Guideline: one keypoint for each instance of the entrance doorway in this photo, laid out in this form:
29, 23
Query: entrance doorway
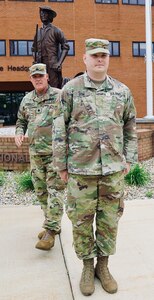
9, 104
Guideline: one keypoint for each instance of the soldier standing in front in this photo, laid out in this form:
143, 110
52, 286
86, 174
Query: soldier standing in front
36, 114
95, 142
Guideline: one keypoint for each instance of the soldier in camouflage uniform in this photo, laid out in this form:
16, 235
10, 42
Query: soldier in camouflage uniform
36, 114
94, 143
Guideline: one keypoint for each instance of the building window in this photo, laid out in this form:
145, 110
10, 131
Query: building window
139, 48
107, 1
20, 48
114, 48
29, 0
71, 52
134, 2
2, 48
61, 0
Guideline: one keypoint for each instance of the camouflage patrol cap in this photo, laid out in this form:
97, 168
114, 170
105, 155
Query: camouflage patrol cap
94, 46
49, 10
38, 69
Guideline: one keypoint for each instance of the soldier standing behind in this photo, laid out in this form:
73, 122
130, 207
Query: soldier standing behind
94, 143
36, 114
50, 46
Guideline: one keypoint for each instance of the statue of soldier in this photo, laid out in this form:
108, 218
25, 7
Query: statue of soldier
50, 46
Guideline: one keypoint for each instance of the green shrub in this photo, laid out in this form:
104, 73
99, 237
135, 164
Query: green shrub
2, 177
149, 194
137, 176
24, 181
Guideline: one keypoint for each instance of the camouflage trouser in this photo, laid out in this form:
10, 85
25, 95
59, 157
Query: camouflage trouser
49, 190
95, 201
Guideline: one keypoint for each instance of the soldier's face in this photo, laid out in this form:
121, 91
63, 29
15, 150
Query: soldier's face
96, 63
40, 83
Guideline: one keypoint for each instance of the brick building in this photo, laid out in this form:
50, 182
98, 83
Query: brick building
122, 22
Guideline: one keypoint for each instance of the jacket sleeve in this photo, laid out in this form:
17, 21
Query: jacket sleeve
62, 40
21, 124
129, 130
60, 125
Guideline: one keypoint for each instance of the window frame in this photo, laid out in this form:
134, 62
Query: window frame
29, 0
106, 2
112, 45
4, 47
73, 47
11, 45
143, 42
61, 1
28, 41
133, 3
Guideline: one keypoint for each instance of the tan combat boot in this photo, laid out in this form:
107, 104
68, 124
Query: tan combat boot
47, 240
102, 273
87, 278
40, 235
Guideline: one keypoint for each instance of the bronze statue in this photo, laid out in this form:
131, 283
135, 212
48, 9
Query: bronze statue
50, 46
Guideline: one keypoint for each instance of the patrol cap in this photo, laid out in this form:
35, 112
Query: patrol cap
94, 46
38, 69
49, 10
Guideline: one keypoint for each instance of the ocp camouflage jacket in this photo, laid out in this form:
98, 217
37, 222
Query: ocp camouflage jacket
36, 114
94, 128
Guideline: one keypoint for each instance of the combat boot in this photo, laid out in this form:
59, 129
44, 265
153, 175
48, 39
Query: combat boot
40, 235
102, 273
47, 240
87, 278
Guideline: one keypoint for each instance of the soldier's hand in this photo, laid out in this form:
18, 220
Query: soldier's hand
56, 67
19, 140
126, 171
59, 68
64, 175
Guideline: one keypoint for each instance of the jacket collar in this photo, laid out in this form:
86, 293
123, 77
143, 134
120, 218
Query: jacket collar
40, 99
106, 85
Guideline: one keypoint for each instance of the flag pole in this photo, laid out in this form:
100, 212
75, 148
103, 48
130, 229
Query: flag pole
149, 71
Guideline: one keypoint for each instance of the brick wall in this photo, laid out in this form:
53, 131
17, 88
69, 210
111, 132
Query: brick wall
145, 130
11, 157
145, 143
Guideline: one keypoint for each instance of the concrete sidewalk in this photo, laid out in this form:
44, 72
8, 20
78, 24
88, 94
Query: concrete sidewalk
30, 274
